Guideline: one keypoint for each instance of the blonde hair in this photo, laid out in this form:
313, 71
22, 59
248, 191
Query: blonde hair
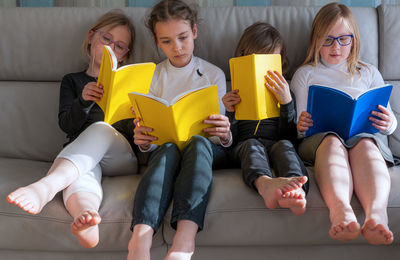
112, 19
327, 16
262, 38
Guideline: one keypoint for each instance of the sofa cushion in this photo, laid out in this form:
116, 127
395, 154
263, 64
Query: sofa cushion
29, 126
55, 50
50, 230
389, 42
236, 212
31, 58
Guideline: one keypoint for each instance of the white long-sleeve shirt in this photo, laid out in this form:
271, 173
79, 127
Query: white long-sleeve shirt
336, 76
169, 81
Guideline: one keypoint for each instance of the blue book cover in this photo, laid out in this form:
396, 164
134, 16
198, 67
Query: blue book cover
334, 110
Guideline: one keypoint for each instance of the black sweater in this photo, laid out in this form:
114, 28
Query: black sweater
76, 114
277, 128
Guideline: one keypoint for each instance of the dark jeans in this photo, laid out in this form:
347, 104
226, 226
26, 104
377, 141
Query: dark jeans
258, 156
188, 185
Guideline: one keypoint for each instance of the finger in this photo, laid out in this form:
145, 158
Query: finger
384, 110
379, 127
217, 121
144, 137
94, 93
219, 117
142, 129
279, 75
274, 77
378, 122
383, 116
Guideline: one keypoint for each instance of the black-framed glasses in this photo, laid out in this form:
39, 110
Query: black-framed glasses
343, 40
107, 39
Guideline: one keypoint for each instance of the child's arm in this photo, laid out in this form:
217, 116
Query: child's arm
74, 109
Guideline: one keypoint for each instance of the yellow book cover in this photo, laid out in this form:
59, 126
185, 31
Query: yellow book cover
179, 120
118, 82
248, 76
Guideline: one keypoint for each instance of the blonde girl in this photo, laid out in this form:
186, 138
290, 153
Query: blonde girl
358, 164
78, 168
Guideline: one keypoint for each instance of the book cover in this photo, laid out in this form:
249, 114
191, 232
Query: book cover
118, 82
248, 75
334, 110
179, 120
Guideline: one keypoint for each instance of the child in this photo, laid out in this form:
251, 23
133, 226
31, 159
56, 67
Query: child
77, 170
358, 163
185, 178
258, 151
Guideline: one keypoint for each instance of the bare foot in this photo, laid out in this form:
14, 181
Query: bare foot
376, 234
85, 228
140, 243
272, 189
174, 254
344, 223
31, 198
138, 253
294, 200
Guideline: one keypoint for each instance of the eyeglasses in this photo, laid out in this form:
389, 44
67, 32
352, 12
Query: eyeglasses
343, 40
107, 39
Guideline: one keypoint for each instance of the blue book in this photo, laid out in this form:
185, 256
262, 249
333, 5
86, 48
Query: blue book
334, 110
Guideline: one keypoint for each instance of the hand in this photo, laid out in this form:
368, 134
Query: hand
386, 119
231, 99
140, 137
91, 92
277, 84
222, 129
305, 122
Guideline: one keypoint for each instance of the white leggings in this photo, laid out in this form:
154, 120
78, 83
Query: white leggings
100, 149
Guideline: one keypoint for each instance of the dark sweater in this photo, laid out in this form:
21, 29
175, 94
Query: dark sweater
76, 114
277, 128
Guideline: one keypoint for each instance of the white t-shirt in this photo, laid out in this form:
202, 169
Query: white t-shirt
335, 76
169, 81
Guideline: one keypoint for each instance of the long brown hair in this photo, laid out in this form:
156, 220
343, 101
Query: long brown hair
327, 16
262, 38
171, 9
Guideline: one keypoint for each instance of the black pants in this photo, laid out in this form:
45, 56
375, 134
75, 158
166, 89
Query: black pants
258, 156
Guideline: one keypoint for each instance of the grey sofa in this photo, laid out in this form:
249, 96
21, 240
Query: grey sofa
39, 45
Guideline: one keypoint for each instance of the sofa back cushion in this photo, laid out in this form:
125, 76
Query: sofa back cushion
389, 42
40, 45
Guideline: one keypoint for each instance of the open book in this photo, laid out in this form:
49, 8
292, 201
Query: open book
179, 120
334, 110
118, 82
248, 75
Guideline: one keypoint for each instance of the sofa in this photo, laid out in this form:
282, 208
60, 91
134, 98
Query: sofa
39, 45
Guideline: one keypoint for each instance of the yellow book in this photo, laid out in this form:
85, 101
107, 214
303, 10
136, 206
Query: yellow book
118, 82
179, 120
248, 75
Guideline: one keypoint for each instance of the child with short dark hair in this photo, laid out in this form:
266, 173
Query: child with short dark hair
270, 145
